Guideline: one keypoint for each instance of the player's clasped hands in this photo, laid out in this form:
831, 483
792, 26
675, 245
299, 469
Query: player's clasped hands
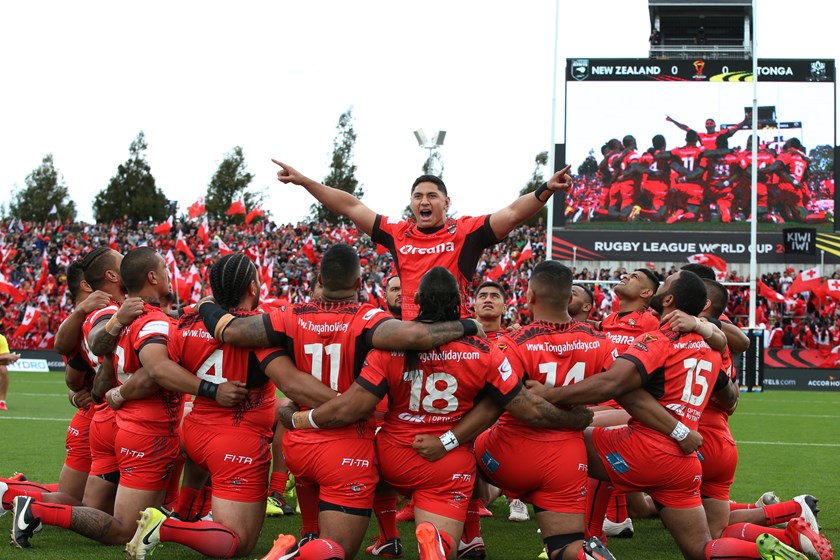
231, 393
428, 447
691, 443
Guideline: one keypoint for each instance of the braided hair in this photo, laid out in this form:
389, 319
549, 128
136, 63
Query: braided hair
230, 277
438, 296
95, 265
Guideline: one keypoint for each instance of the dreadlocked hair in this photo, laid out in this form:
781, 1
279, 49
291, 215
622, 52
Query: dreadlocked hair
439, 299
230, 277
438, 296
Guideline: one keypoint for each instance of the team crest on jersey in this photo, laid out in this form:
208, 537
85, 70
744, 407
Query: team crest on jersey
452, 227
632, 323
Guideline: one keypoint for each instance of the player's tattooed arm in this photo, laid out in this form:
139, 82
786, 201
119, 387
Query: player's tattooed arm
105, 379
480, 417
247, 332
300, 387
538, 412
103, 336
623, 376
643, 407
414, 335
351, 406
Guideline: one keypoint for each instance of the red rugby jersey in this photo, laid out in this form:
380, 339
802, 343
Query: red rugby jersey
330, 341
556, 355
158, 414
457, 245
623, 328
445, 384
681, 371
192, 346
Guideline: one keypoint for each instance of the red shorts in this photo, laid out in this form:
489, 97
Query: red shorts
238, 459
102, 455
77, 442
636, 464
146, 462
345, 470
443, 487
719, 459
551, 475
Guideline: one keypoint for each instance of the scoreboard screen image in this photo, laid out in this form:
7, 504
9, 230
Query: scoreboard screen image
668, 142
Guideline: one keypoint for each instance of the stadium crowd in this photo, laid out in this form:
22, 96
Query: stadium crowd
289, 253
336, 358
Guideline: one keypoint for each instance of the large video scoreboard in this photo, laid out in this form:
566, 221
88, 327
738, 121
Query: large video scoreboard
627, 120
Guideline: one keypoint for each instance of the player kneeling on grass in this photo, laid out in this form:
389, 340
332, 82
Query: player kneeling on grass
681, 366
428, 393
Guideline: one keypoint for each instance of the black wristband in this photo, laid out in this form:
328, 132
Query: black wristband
211, 313
470, 327
541, 189
714, 321
207, 389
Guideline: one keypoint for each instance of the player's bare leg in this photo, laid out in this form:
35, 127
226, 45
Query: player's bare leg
348, 530
556, 529
72, 482
452, 527
689, 529
100, 494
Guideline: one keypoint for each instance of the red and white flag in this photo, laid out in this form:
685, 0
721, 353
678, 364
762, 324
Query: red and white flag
500, 268
769, 293
832, 288
526, 255
309, 250
236, 207
196, 209
713, 261
16, 295
806, 281
223, 248
164, 228
29, 320
253, 214
204, 232
181, 245
45, 270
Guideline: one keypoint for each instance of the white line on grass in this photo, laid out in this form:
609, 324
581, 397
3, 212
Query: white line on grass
34, 418
800, 443
788, 415
63, 395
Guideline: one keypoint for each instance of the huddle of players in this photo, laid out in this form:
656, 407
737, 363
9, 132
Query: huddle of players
687, 182
430, 395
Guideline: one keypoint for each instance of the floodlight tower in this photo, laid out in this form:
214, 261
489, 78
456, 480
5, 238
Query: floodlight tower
435, 143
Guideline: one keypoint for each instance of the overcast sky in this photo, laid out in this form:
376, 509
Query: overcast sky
81, 79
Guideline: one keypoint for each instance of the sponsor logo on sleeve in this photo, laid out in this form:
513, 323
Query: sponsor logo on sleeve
505, 370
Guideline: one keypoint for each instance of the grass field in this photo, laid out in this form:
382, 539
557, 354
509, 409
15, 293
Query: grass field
788, 442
